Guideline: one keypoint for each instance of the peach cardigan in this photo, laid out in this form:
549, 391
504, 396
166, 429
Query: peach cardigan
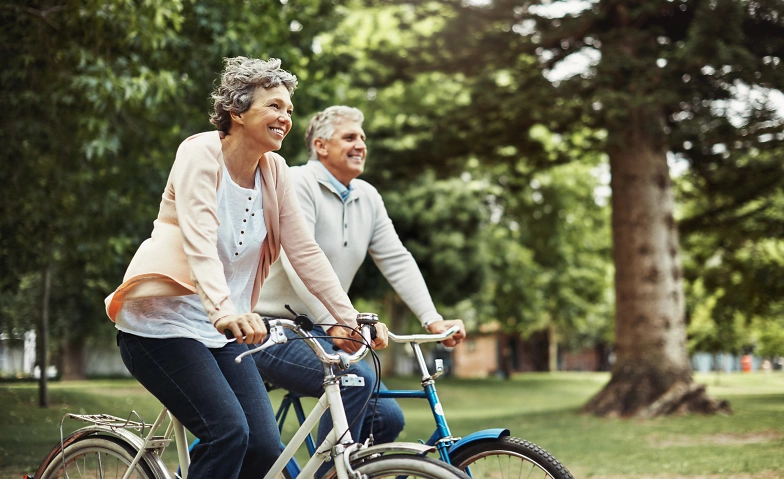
181, 256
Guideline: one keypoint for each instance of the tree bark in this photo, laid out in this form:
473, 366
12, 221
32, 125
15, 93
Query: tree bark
505, 355
397, 314
42, 345
652, 373
552, 348
602, 351
73, 360
539, 348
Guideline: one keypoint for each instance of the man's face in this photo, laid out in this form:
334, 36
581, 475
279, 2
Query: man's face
344, 153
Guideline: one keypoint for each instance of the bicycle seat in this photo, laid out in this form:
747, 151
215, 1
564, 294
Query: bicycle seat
269, 386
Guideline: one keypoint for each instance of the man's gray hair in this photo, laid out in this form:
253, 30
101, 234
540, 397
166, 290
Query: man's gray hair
323, 123
242, 77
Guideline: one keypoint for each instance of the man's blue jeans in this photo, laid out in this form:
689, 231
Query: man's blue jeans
293, 366
222, 403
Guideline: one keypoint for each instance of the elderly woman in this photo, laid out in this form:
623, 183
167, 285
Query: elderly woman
226, 212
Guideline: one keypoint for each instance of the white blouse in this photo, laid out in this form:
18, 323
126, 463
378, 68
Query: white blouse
240, 235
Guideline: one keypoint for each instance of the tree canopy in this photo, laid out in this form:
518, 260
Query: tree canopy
493, 158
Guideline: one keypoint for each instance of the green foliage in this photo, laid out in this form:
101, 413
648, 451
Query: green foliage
97, 97
442, 222
674, 72
434, 121
554, 221
78, 82
708, 335
733, 224
769, 338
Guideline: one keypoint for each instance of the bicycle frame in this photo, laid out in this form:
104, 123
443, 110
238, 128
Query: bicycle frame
338, 445
441, 438
338, 441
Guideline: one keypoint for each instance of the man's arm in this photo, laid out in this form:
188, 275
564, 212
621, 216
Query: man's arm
400, 269
306, 189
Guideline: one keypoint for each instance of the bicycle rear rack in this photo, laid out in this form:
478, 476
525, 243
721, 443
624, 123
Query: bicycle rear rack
151, 442
113, 422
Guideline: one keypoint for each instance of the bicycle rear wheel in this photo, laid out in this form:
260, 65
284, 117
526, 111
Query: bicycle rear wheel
404, 466
508, 457
95, 456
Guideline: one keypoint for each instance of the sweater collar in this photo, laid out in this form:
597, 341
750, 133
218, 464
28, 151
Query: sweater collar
333, 184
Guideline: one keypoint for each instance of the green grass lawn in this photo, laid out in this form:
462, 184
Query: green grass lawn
542, 408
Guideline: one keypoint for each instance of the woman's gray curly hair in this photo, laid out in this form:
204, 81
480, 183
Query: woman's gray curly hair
240, 80
322, 125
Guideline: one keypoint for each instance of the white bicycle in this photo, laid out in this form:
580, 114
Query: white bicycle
112, 447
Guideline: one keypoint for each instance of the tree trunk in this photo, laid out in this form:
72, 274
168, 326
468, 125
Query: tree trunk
652, 374
538, 347
42, 345
73, 359
397, 315
602, 351
552, 348
505, 355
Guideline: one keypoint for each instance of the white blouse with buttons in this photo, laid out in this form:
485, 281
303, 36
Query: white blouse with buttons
240, 234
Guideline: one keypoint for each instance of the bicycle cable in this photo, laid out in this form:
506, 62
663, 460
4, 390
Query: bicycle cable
376, 384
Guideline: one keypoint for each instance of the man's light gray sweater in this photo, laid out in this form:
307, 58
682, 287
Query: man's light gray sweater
346, 232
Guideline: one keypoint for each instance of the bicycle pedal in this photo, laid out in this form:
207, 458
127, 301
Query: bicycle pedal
352, 380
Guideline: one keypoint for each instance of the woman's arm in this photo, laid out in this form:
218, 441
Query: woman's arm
309, 262
194, 178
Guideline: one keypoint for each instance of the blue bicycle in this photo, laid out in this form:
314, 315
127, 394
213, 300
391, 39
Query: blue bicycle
490, 453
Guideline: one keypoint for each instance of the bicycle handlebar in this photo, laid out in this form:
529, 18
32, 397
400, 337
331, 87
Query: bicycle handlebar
277, 336
423, 338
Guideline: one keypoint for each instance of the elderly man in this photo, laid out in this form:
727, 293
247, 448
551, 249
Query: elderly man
348, 220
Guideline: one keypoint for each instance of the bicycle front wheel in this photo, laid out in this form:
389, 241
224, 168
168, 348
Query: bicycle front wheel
508, 457
95, 456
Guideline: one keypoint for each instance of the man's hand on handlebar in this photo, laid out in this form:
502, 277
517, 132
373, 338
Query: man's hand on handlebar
439, 327
247, 327
354, 342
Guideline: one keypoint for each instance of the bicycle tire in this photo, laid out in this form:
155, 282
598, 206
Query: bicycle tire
508, 457
95, 456
404, 466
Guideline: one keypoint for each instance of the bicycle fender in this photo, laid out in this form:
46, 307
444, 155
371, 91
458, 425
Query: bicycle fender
478, 436
395, 447
157, 466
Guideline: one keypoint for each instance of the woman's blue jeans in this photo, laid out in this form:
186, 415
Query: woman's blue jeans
293, 366
221, 402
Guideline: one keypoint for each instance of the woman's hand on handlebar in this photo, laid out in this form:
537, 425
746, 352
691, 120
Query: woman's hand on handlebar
354, 341
439, 327
247, 327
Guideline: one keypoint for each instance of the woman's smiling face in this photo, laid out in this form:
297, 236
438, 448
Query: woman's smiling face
268, 120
